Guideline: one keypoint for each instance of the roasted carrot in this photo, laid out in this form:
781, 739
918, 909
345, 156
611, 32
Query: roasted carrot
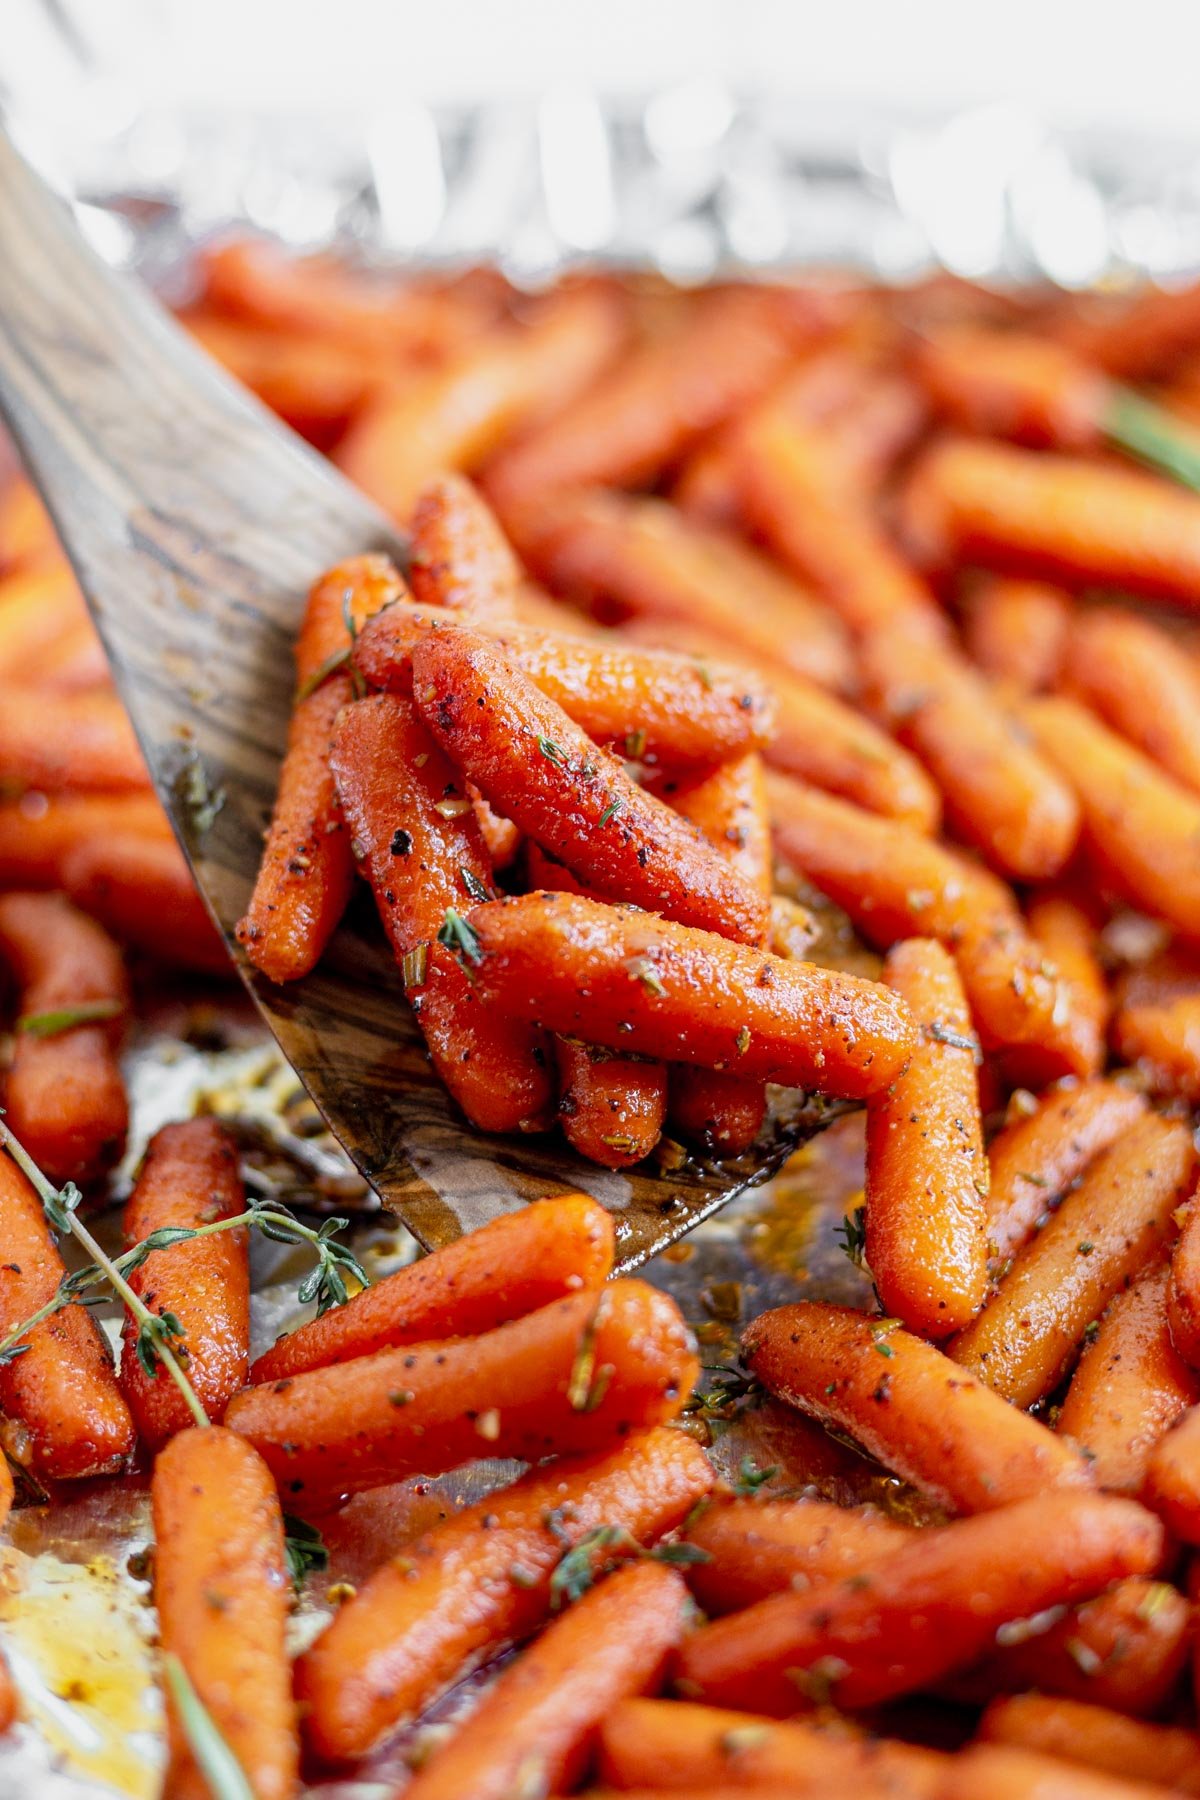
1038, 1155
758, 1547
935, 1607
75, 664
1017, 632
307, 870
1011, 384
37, 604
688, 996
927, 1175
1067, 926
138, 885
1172, 1485
1183, 1289
1163, 1755
539, 769
1142, 683
513, 1265
909, 1405
460, 558
222, 1590
92, 745
65, 1096
26, 534
1114, 1224
68, 1417
420, 846
310, 380
1156, 1022
40, 831
450, 1599
539, 1722
565, 1378
1136, 336
189, 1178
997, 1772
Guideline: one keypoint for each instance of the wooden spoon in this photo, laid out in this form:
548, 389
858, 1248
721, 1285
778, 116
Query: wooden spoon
196, 523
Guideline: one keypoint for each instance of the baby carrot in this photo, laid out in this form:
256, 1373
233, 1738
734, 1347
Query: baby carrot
26, 533
76, 664
998, 1772
635, 982
1105, 1232
92, 745
1011, 384
927, 1175
934, 1607
307, 870
421, 849
539, 1721
65, 1093
1138, 336
513, 1265
189, 1178
1172, 1485
39, 832
222, 1590
312, 381
1040, 1153
1142, 683
460, 558
539, 769
61, 1392
565, 1378
449, 1600
758, 1547
1096, 1737
1156, 1023
138, 885
1068, 927
37, 604
908, 1405
1017, 631
1183, 1289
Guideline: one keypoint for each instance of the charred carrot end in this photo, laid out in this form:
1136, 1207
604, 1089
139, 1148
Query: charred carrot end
460, 557
927, 1175
189, 1178
564, 1378
138, 885
1097, 1738
611, 1109
756, 1547
512, 1265
222, 1590
1017, 632
668, 992
480, 1580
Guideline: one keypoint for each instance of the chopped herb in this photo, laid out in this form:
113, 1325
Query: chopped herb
222, 1772
851, 1234
647, 974
741, 1738
521, 1577
635, 743
1091, 1331
1158, 1595
1033, 1180
1086, 1249
742, 1041
750, 1477
65, 1018
414, 965
474, 886
942, 1034
550, 750
322, 672
582, 1563
201, 801
304, 1548
818, 1681
460, 937
1084, 1657
583, 1365
704, 674
610, 812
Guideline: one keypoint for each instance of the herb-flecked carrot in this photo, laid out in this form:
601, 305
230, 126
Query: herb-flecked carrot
61, 1391
540, 1719
513, 1265
935, 1606
540, 769
222, 1590
1017, 631
418, 841
91, 746
758, 1547
1010, 384
189, 1178
307, 870
460, 558
1156, 1022
451, 1599
935, 1425
1097, 1738
1142, 683
65, 1094
1110, 1228
138, 885
1183, 1290
567, 1378
666, 991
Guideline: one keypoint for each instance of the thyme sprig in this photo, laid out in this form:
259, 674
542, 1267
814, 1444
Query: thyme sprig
600, 1550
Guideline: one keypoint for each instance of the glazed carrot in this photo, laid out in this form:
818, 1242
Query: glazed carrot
935, 1426
61, 1392
1105, 1232
689, 996
1039, 1154
37, 604
460, 558
934, 1607
1068, 927
505, 381
655, 706
222, 1590
758, 1547
40, 831
999, 794
138, 884
540, 1720
1057, 517
74, 664
1172, 1485
684, 1748
1130, 1387
1142, 683
422, 851
1137, 336
190, 1177
450, 1599
1183, 1289
315, 383
513, 1265
92, 745
65, 1096
566, 1378
539, 769
1013, 385
996, 1772
1016, 631
307, 869
1156, 1022
1165, 1755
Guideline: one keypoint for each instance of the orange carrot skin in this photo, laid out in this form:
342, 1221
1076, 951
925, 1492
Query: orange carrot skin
1172, 1485
1156, 1025
37, 604
1067, 929
92, 745
190, 1177
138, 885
1183, 1289
76, 664
222, 1590
722, 1005
611, 1109
1142, 683
513, 1265
39, 832
521, 1390
61, 1391
422, 850
545, 1710
1016, 632
1139, 336
927, 1175
460, 558
65, 1093
539, 769
1035, 1159
1024, 1340
1013, 385
1095, 1736
998, 1772
450, 1599
758, 1547
940, 1429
